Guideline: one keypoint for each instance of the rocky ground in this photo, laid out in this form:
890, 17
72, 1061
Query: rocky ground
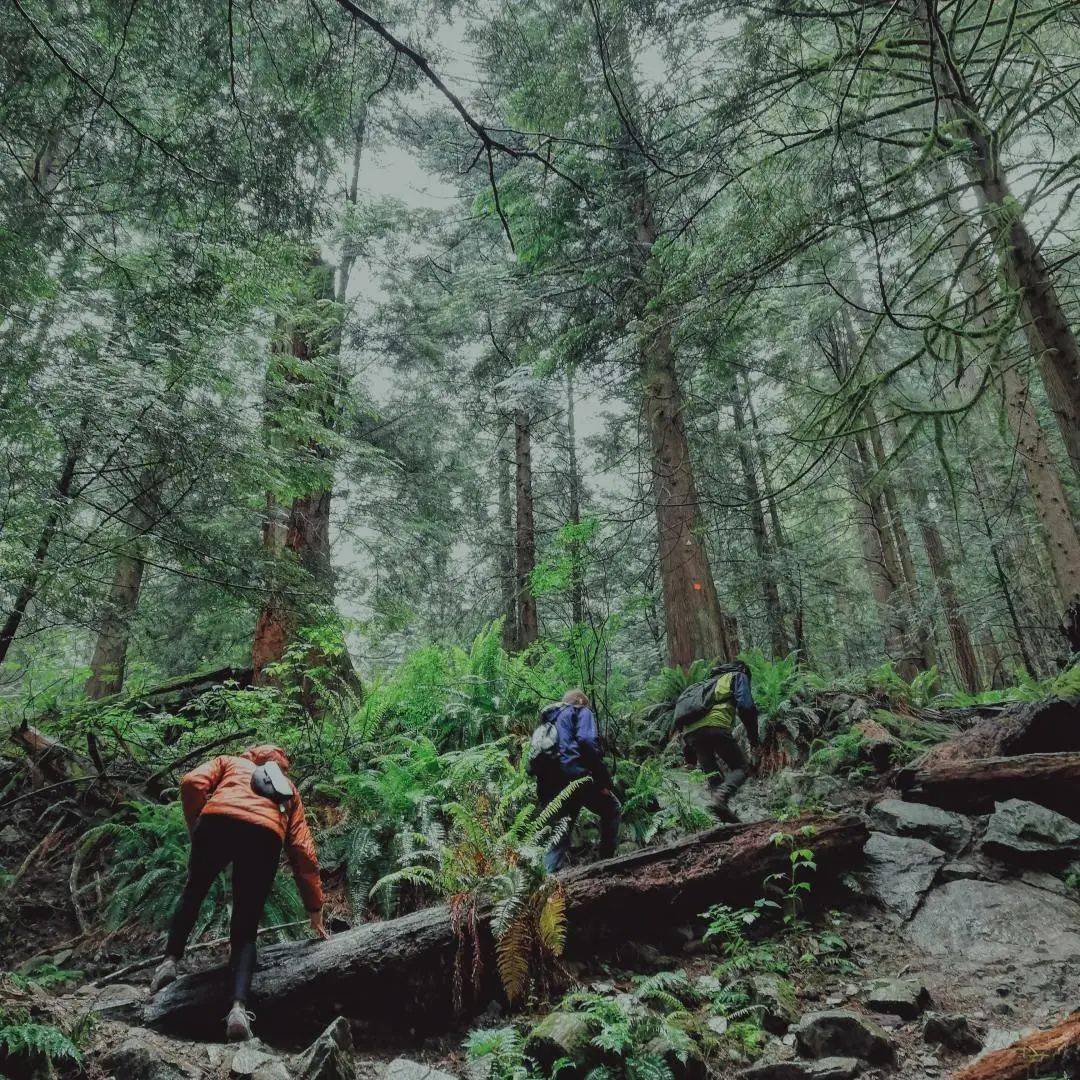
959, 934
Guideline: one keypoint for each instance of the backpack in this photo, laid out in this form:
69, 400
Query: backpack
697, 701
694, 703
544, 743
269, 781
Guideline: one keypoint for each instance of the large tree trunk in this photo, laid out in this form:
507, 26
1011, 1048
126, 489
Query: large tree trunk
696, 625
577, 571
897, 531
399, 974
880, 567
315, 385
109, 659
28, 589
526, 531
770, 590
974, 786
978, 477
506, 549
1050, 337
967, 664
304, 383
880, 555
1044, 480
898, 584
1052, 1052
779, 535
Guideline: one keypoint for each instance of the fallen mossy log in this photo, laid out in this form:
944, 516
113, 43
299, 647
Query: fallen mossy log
51, 758
972, 787
398, 975
173, 695
1053, 1052
1041, 727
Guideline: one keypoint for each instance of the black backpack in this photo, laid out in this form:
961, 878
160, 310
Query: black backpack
696, 702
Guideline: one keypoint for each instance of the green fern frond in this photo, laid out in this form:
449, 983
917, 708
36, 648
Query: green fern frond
552, 923
513, 952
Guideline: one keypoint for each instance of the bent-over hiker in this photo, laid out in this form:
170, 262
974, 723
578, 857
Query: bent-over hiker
242, 810
705, 714
566, 747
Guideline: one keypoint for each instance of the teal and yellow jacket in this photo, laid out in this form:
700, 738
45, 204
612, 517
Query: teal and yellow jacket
733, 698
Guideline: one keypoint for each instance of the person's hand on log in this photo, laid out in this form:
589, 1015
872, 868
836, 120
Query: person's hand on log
318, 927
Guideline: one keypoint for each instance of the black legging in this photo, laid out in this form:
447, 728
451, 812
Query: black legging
719, 754
254, 852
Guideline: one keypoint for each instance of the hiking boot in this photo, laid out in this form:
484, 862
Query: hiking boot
238, 1024
165, 974
722, 811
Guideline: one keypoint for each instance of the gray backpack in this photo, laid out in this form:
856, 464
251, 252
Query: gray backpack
271, 783
544, 743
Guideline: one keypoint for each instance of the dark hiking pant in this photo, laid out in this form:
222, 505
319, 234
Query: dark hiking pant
719, 755
254, 852
588, 797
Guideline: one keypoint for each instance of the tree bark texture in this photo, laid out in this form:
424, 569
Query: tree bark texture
967, 663
770, 589
28, 589
1052, 1052
577, 573
974, 786
525, 548
1051, 339
109, 659
506, 550
1030, 441
299, 380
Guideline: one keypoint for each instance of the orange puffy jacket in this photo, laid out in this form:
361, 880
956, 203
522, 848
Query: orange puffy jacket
223, 786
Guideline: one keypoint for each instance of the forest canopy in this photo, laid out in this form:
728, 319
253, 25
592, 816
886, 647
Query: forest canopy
647, 333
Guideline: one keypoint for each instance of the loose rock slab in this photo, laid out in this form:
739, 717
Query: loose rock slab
329, 1056
906, 998
953, 1031
942, 828
776, 998
901, 870
249, 1058
406, 1069
838, 1032
559, 1035
833, 1068
1019, 829
134, 1059
979, 923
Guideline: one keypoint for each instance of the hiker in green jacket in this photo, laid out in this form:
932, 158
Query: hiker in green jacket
705, 714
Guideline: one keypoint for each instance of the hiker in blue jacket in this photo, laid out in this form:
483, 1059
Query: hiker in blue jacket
578, 753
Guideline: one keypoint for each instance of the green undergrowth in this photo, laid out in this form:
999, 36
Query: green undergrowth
34, 1040
418, 780
671, 1024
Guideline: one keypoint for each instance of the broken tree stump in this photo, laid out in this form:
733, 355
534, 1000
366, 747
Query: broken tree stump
51, 758
398, 974
972, 787
1052, 1052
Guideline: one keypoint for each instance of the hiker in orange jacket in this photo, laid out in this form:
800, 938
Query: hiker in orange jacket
236, 815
